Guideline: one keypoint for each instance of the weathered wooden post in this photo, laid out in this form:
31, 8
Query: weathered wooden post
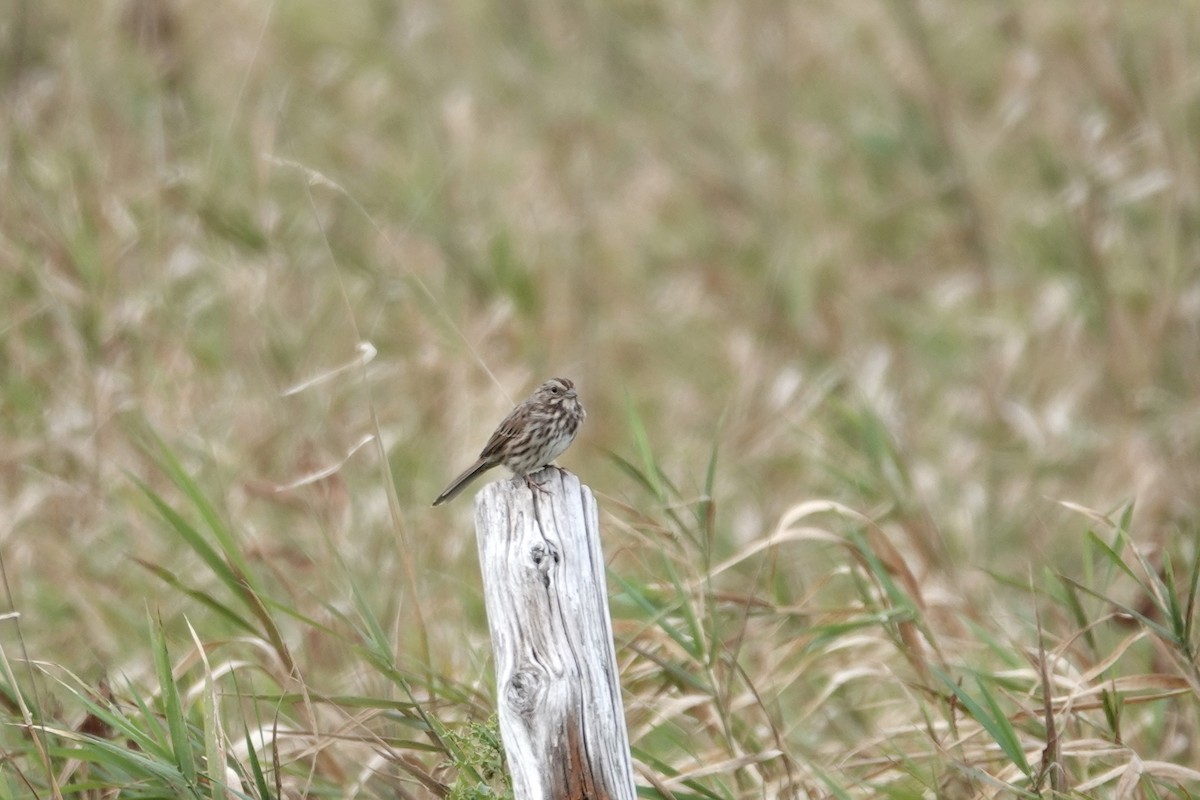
561, 715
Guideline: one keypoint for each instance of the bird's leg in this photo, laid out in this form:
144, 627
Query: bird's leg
535, 485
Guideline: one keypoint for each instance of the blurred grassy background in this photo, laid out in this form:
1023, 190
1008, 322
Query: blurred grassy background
937, 263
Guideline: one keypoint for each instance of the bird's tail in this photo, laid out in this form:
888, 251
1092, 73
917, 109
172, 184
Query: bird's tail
458, 484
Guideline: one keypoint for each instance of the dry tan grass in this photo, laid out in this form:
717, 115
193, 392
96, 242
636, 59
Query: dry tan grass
934, 264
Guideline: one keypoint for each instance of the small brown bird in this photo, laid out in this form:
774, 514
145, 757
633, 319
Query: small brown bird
534, 433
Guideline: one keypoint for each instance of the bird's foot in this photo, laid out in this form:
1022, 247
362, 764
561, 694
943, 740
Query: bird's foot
534, 484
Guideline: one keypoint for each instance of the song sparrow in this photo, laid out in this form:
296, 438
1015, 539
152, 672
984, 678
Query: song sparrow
533, 434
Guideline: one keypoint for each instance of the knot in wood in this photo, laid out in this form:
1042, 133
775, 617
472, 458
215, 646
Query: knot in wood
544, 556
524, 692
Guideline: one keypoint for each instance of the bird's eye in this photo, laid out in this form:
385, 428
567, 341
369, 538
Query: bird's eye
555, 390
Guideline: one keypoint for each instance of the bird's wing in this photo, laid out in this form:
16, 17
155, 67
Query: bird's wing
507, 430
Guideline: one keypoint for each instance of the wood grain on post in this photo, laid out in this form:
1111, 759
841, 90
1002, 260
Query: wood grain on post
561, 716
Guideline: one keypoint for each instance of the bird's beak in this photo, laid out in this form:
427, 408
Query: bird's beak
571, 393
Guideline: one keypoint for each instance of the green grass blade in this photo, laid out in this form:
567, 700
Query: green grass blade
190, 535
177, 727
205, 599
990, 717
184, 482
